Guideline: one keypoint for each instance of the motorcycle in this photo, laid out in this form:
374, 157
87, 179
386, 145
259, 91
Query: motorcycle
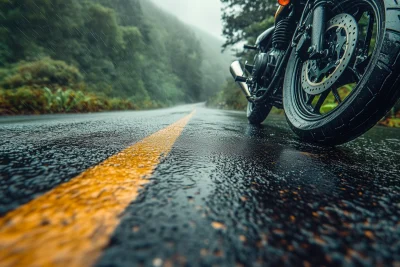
332, 65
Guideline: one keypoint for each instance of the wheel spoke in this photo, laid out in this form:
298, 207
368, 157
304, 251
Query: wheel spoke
336, 95
350, 75
357, 14
354, 72
362, 64
320, 102
368, 36
310, 99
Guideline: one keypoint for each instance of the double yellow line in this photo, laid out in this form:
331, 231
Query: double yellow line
71, 224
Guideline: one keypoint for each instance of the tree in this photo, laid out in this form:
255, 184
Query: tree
240, 17
121, 48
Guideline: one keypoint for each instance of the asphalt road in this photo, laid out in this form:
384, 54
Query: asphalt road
227, 194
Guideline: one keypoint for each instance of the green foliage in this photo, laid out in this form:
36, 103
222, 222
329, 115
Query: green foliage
42, 72
242, 17
132, 38
328, 107
27, 100
114, 48
13, 101
243, 21
231, 97
178, 52
5, 53
391, 122
331, 103
393, 118
103, 27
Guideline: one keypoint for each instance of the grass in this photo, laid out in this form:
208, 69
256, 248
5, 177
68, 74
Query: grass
25, 100
51, 86
391, 122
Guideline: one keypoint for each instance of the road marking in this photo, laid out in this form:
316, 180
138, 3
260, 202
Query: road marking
71, 224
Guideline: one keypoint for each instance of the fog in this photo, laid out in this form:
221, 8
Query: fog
204, 14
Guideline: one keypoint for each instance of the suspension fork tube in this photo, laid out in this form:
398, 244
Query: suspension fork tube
319, 24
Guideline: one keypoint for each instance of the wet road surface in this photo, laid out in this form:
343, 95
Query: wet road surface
227, 194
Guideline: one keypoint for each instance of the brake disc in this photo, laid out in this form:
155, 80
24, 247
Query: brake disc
341, 39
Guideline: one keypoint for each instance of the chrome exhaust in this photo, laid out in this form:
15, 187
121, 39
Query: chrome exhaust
237, 73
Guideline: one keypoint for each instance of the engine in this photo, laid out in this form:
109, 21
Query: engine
265, 62
264, 66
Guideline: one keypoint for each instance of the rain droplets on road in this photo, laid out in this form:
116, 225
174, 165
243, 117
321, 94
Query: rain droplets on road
227, 194
231, 193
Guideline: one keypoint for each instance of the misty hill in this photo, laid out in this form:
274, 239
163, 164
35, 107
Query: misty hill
126, 49
215, 65
213, 46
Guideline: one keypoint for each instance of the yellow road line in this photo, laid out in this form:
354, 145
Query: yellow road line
71, 224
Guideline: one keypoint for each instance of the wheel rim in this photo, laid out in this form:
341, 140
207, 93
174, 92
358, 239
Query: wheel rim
316, 105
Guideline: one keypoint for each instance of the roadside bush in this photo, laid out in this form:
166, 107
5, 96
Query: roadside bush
25, 100
22, 101
393, 117
44, 72
396, 110
230, 97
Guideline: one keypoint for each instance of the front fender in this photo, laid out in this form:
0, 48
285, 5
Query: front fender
264, 38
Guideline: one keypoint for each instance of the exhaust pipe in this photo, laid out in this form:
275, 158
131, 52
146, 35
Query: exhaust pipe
237, 73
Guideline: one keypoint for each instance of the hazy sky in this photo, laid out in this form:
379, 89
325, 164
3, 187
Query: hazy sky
204, 14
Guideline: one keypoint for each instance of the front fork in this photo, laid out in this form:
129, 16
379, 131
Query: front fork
318, 26
316, 51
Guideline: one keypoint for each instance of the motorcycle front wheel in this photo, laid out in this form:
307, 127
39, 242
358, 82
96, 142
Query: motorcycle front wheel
337, 99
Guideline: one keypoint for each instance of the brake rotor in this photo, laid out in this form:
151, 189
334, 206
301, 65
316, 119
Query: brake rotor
341, 39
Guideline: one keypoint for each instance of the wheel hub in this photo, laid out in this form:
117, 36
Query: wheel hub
341, 41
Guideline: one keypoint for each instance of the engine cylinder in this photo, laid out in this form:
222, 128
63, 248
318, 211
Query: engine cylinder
283, 34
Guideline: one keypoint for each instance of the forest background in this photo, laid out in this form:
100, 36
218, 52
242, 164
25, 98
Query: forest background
59, 56
96, 55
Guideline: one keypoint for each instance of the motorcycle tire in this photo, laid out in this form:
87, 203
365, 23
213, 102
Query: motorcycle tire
375, 94
256, 114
